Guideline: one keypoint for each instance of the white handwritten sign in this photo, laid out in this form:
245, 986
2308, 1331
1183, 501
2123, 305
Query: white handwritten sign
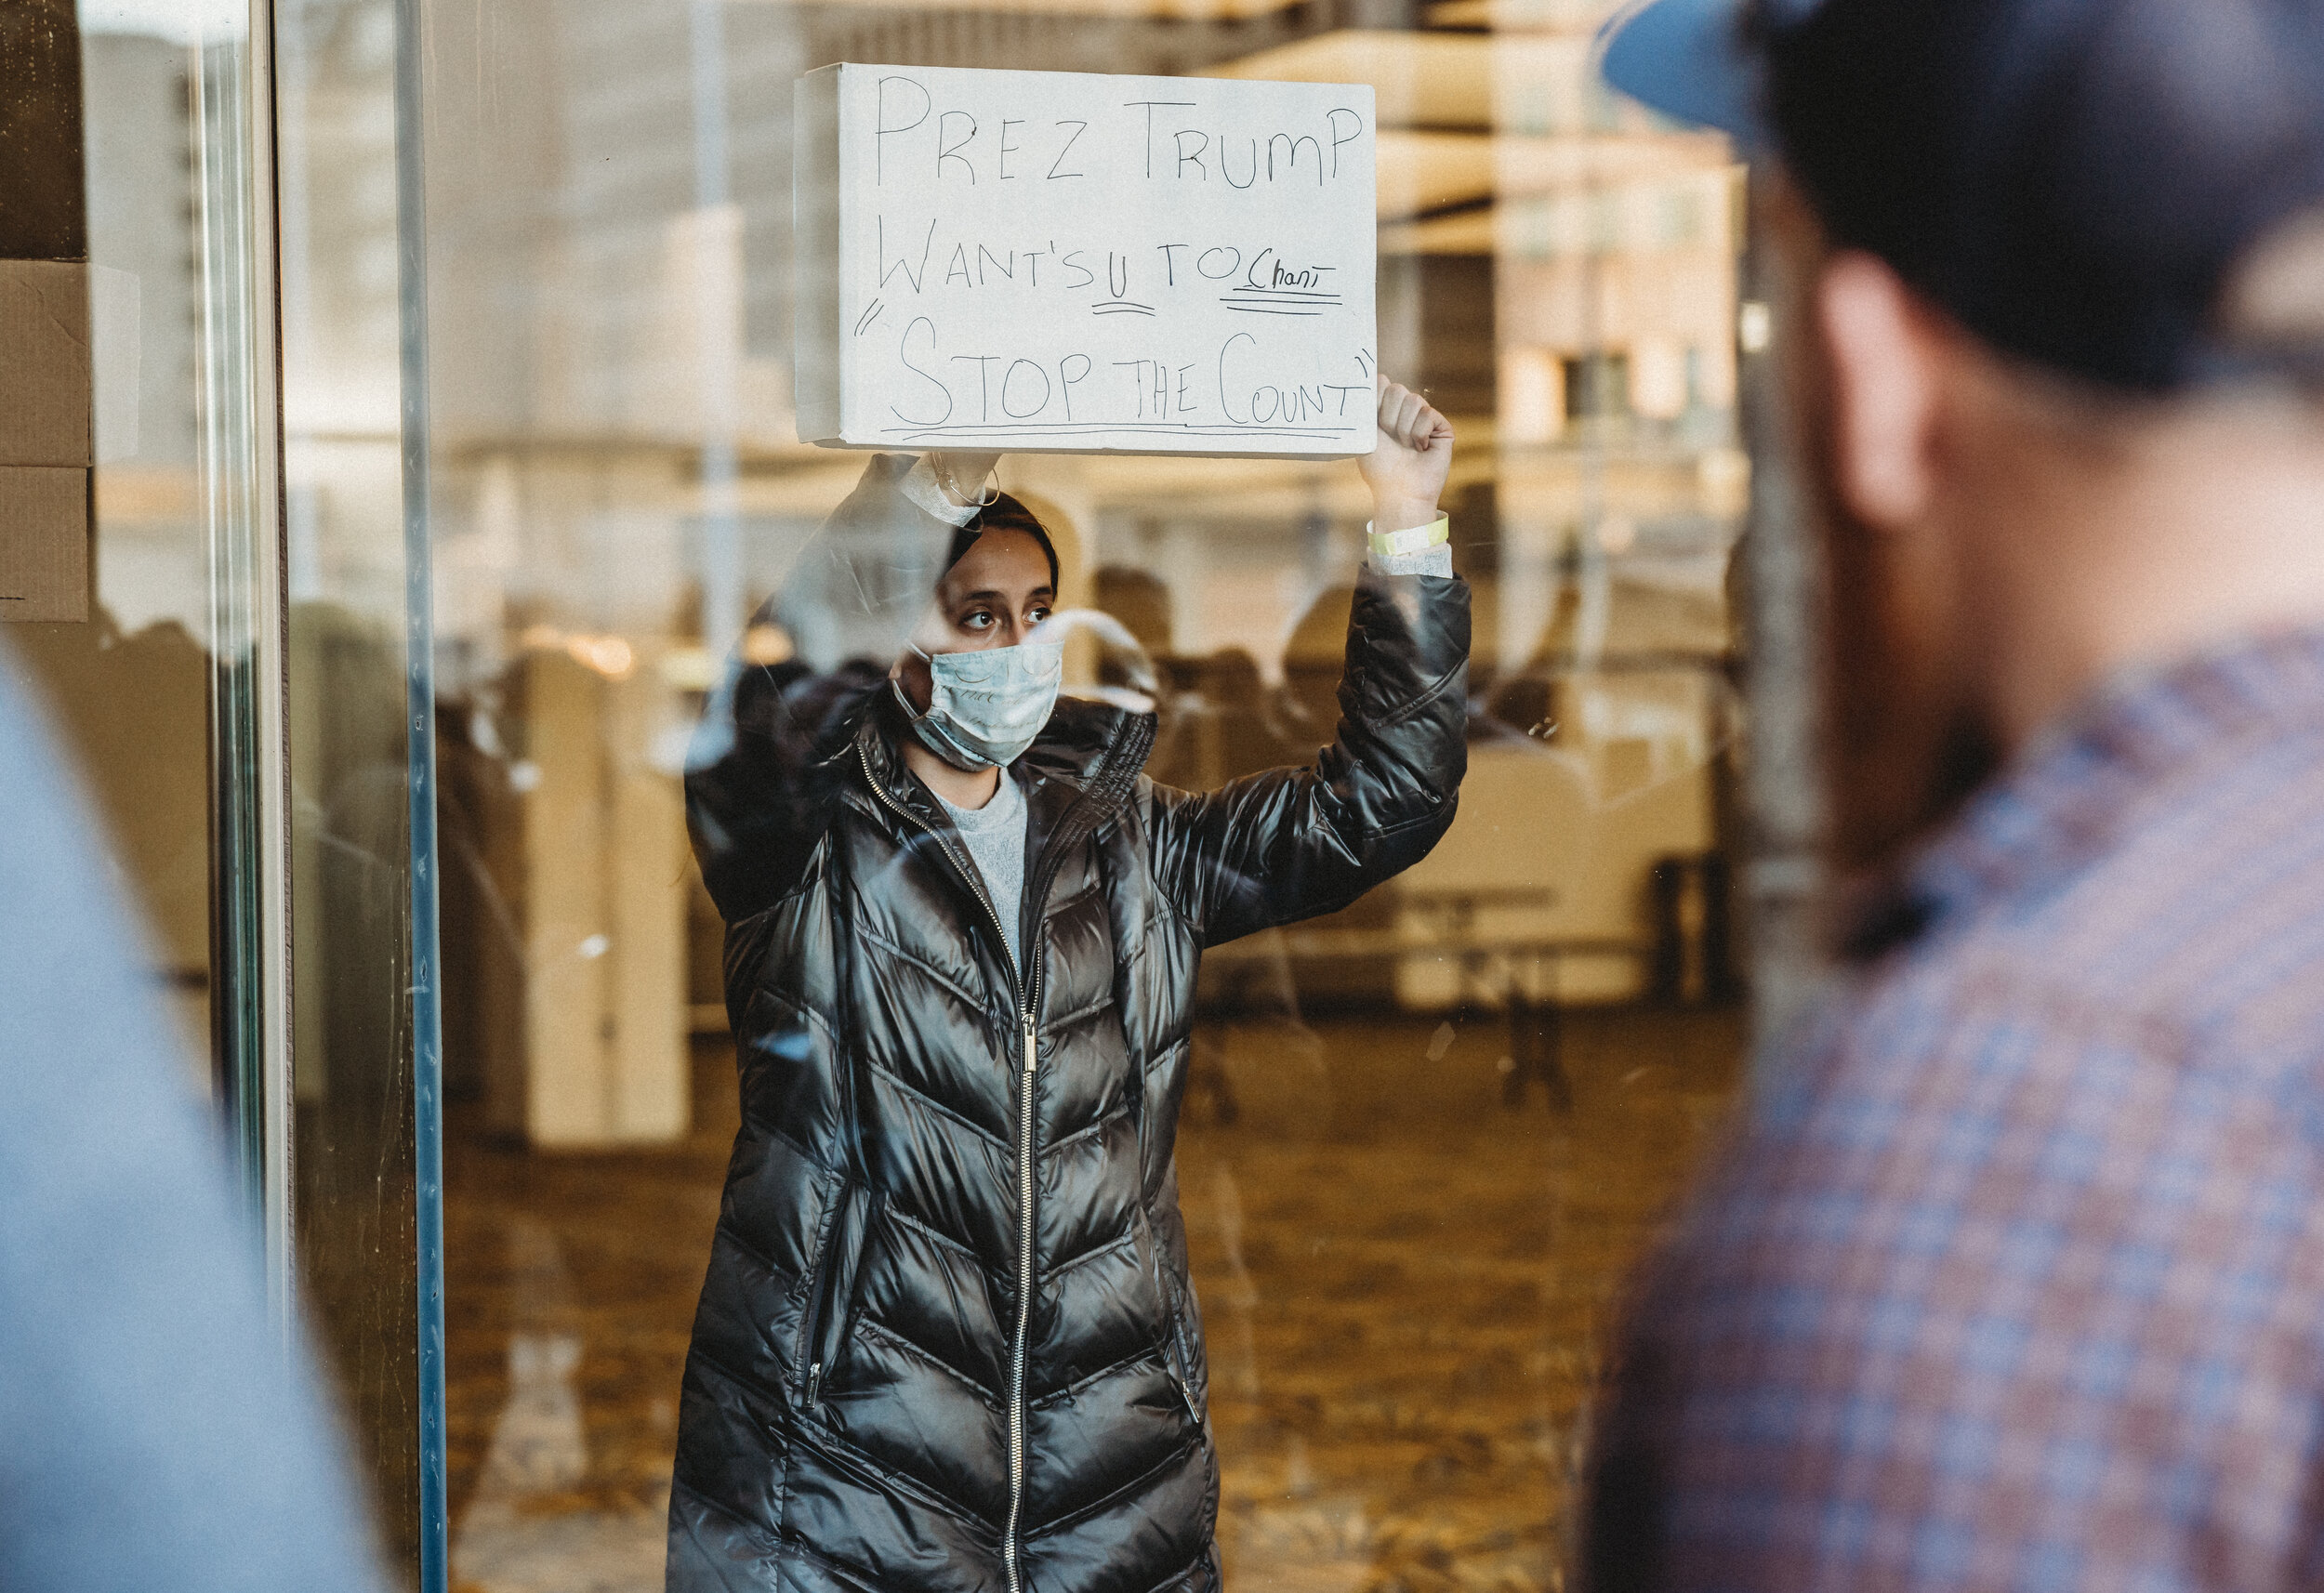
1069, 262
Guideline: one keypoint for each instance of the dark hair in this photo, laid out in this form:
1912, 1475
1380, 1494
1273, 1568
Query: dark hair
1004, 513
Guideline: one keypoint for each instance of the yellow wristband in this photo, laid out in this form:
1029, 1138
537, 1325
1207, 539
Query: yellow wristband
1419, 539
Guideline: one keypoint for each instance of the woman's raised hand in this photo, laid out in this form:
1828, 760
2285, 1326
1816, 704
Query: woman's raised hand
1408, 465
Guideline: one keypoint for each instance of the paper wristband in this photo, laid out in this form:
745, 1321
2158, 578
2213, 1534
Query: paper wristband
1419, 539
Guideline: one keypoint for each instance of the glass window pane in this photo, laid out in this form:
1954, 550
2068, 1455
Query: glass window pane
350, 862
1419, 1139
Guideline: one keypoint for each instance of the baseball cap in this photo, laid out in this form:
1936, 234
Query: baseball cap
2082, 183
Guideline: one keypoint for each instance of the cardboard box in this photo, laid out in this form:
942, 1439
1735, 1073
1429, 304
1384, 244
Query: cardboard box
46, 410
63, 325
43, 544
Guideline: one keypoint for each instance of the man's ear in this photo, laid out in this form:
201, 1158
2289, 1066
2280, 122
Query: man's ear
1885, 390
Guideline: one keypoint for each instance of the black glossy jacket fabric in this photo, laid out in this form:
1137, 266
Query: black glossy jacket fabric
857, 1415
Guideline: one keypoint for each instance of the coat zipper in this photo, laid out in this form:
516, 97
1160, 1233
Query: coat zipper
1027, 992
822, 1305
1024, 1312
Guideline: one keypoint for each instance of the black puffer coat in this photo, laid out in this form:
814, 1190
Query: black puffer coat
948, 1341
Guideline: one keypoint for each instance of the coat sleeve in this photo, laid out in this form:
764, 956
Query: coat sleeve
1291, 843
767, 762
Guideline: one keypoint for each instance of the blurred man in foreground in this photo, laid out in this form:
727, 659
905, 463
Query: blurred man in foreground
155, 1435
2016, 1277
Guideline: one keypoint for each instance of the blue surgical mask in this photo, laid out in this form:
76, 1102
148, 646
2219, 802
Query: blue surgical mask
986, 708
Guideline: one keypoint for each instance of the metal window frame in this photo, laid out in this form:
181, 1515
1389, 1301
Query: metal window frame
240, 442
419, 647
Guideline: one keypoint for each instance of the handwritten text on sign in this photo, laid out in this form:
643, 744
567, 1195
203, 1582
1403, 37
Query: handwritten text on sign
1071, 262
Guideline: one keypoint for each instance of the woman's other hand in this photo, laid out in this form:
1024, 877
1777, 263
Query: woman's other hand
962, 475
1407, 467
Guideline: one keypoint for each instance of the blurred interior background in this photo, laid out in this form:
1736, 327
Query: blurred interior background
1427, 1134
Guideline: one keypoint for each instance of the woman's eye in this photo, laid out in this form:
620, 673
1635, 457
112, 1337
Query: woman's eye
1037, 614
976, 619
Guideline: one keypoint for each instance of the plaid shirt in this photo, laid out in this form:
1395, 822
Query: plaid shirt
2016, 1277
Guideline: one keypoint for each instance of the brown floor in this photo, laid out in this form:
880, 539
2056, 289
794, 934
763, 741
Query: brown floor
1404, 1283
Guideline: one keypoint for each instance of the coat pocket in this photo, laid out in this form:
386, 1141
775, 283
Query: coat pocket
832, 1304
1169, 1326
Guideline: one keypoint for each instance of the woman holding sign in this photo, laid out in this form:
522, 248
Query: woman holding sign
948, 1340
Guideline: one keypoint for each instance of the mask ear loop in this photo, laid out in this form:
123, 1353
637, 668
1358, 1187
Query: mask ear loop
895, 684
895, 689
988, 489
